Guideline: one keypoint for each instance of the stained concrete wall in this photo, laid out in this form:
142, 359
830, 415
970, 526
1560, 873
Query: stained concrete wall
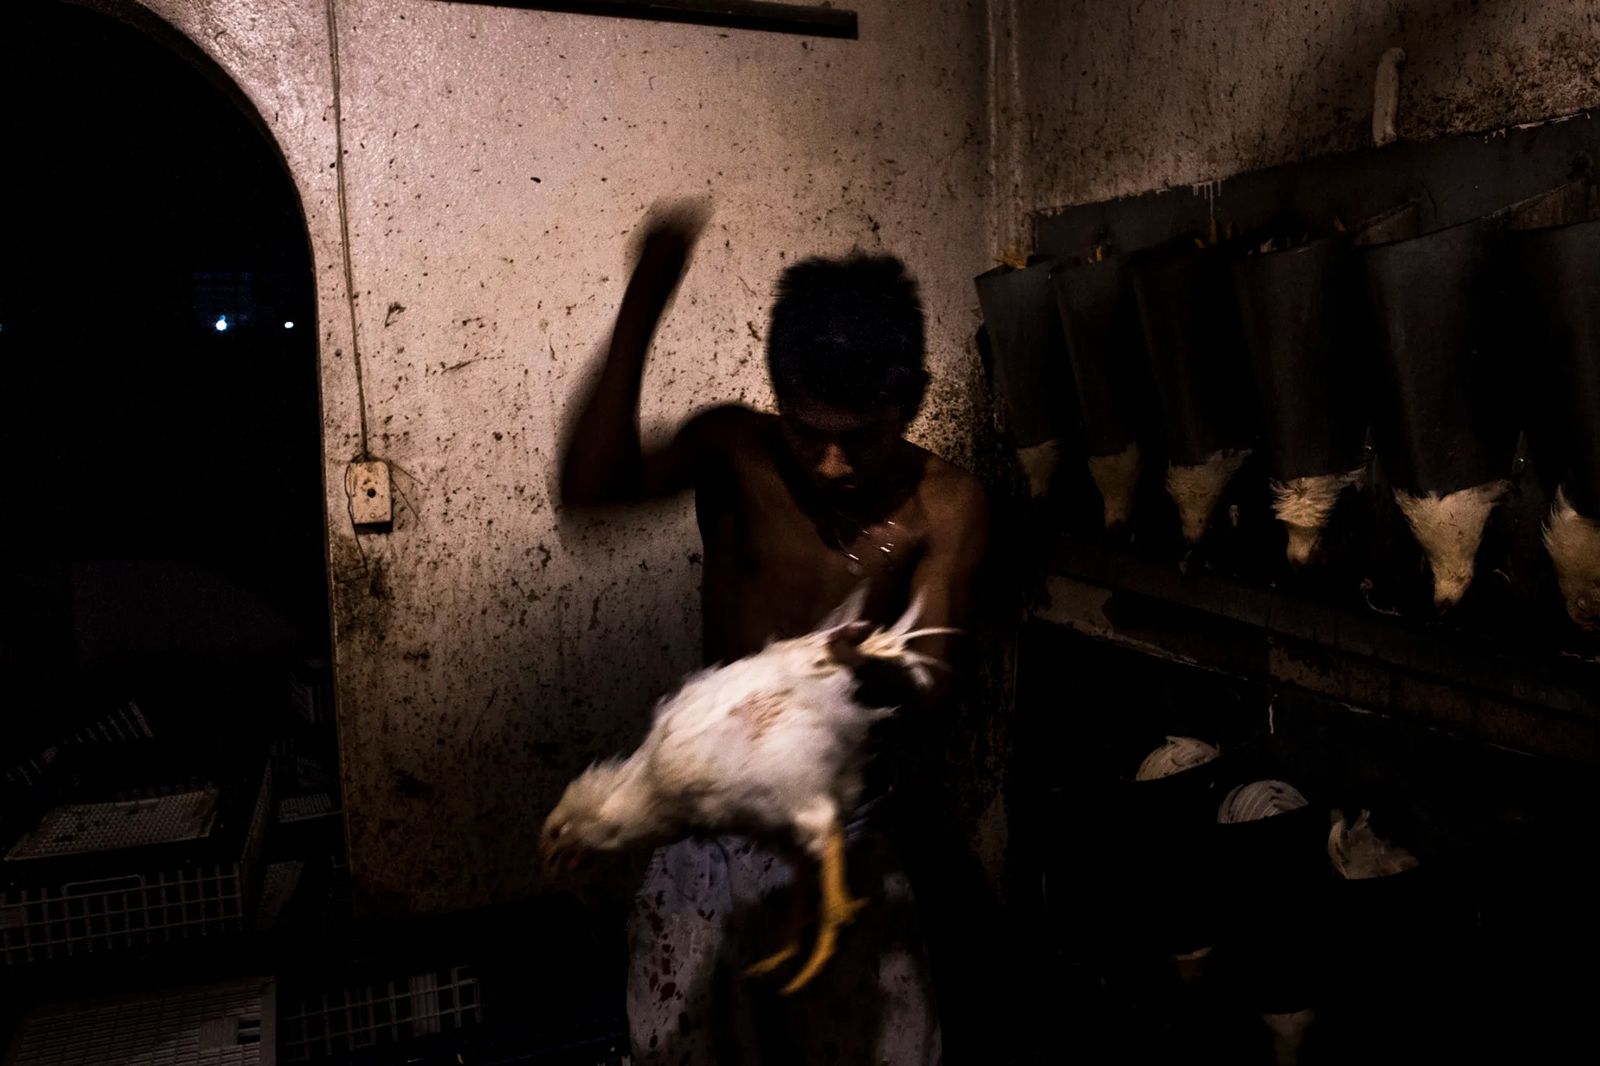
496, 162
1104, 98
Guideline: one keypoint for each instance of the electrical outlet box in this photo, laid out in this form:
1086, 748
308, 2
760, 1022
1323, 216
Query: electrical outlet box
371, 502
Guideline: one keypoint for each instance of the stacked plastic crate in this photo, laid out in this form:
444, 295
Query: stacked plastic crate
157, 866
232, 1023
384, 1010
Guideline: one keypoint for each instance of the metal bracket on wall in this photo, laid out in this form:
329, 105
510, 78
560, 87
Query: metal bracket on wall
811, 20
371, 504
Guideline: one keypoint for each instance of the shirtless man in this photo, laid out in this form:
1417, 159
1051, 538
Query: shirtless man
795, 510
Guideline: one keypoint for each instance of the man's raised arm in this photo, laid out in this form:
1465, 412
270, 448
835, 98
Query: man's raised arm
603, 460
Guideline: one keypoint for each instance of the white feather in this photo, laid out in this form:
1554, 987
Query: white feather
1039, 464
1573, 541
1303, 504
1116, 476
848, 611
1196, 489
1358, 853
1450, 528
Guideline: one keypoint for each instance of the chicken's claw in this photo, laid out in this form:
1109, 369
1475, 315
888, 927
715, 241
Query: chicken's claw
827, 937
837, 910
773, 961
820, 954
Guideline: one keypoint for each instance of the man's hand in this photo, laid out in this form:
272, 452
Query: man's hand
667, 239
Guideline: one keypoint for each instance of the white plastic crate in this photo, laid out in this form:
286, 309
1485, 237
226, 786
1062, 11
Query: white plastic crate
379, 1013
164, 873
227, 1024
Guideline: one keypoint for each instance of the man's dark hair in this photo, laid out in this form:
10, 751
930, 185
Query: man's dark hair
848, 333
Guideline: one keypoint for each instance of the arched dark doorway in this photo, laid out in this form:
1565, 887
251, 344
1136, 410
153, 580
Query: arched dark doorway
163, 540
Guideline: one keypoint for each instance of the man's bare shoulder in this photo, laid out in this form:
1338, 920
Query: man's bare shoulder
727, 439
954, 499
725, 426
727, 421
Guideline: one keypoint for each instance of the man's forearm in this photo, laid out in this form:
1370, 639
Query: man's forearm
604, 459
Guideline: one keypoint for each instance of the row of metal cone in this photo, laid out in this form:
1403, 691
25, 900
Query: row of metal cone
1430, 353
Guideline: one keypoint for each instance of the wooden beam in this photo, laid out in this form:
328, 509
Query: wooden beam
809, 20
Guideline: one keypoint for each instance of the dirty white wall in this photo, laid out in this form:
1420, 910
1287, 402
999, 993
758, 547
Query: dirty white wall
1103, 98
496, 162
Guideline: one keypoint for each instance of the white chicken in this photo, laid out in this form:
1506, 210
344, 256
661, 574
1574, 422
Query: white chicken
769, 746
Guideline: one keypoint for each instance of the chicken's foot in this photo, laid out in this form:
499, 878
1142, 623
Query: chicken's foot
773, 961
837, 910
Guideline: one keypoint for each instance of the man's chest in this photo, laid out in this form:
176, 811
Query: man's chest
757, 525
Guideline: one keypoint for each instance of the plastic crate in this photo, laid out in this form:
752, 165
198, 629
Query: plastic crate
121, 725
293, 809
227, 1024
381, 1012
134, 872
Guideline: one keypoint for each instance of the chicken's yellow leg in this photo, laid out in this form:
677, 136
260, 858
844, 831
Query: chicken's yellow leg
837, 910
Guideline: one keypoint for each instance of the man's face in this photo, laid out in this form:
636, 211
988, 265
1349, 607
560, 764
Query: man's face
838, 449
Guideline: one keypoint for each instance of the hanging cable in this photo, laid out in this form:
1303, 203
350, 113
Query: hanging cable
344, 221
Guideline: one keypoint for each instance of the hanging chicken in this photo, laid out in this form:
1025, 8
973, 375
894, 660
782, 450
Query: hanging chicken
1030, 364
1196, 360
1445, 433
1294, 303
1100, 322
770, 746
1558, 266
